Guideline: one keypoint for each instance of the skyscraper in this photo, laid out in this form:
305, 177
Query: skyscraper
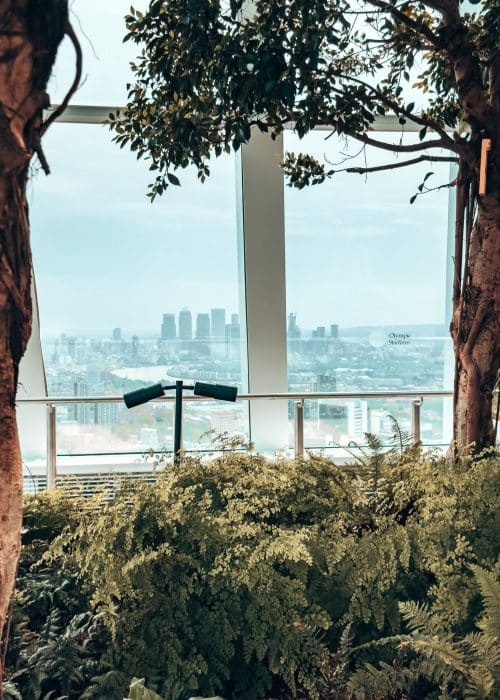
168, 327
202, 327
185, 325
135, 349
293, 329
72, 347
233, 338
81, 410
117, 333
218, 322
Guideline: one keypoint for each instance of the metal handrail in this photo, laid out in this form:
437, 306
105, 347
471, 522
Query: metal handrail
415, 397
291, 396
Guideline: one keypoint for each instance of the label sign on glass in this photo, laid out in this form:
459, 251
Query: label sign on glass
399, 339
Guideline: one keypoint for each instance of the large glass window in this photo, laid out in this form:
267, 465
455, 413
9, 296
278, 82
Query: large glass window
132, 293
366, 291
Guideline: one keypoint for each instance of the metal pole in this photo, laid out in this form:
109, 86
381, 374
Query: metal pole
178, 421
415, 419
299, 429
51, 446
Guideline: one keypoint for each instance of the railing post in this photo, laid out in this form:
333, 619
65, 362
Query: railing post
51, 446
415, 419
299, 428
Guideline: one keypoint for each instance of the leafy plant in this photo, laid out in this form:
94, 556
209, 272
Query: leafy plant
468, 667
256, 578
56, 640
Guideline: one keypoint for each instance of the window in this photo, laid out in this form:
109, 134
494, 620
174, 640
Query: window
366, 292
132, 293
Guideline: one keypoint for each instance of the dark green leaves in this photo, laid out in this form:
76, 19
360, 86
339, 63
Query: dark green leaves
173, 179
204, 76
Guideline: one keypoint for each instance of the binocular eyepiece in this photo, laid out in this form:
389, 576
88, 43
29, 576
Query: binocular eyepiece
211, 391
140, 396
216, 391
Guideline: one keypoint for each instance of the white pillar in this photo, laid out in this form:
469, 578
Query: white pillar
261, 252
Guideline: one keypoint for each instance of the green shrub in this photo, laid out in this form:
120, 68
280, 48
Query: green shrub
208, 568
237, 576
56, 641
467, 667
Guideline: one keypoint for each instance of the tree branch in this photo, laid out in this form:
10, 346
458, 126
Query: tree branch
37, 147
398, 109
463, 55
393, 166
419, 28
76, 82
494, 81
460, 205
448, 8
399, 148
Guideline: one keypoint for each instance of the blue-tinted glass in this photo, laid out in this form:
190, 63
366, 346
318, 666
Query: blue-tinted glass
131, 292
366, 290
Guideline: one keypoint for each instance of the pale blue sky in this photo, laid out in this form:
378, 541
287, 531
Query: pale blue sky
357, 253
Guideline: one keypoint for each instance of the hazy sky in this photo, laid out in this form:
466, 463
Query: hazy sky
357, 253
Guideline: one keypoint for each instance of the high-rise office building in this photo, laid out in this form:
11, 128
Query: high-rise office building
168, 327
202, 327
334, 330
81, 410
117, 333
218, 322
233, 339
323, 382
135, 348
293, 329
106, 413
357, 419
235, 320
185, 325
72, 347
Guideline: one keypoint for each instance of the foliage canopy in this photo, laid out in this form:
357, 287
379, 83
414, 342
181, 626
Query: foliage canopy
209, 71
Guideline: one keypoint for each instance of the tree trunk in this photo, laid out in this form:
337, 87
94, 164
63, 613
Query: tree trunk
475, 330
15, 327
30, 33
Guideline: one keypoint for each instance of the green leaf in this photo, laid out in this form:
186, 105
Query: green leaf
173, 179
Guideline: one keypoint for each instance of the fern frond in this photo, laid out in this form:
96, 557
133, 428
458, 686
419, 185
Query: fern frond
443, 651
345, 644
370, 681
480, 685
374, 443
401, 438
52, 626
419, 619
490, 592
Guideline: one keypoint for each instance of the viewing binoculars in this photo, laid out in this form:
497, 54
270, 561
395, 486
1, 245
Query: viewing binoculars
211, 391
